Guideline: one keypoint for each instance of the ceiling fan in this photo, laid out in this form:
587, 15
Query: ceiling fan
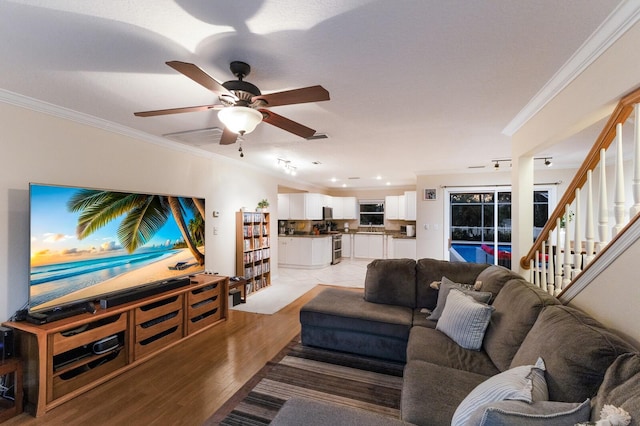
242, 106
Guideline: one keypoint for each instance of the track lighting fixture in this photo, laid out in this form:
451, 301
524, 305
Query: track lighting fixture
287, 167
547, 161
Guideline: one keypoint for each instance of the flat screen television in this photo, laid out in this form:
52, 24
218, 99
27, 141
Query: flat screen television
88, 243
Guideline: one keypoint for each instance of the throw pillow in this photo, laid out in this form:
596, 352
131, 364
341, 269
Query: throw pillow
525, 383
542, 413
620, 387
446, 286
465, 320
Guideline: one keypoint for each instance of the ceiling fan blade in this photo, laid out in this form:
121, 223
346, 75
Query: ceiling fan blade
295, 96
228, 137
286, 124
176, 110
196, 74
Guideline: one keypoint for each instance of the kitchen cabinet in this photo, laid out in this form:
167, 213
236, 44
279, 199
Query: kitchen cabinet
346, 245
345, 208
300, 206
368, 245
283, 206
304, 251
403, 248
410, 198
394, 207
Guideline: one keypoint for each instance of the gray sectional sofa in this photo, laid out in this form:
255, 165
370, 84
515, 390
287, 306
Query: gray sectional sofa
522, 329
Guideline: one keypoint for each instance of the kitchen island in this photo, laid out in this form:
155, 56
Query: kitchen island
304, 251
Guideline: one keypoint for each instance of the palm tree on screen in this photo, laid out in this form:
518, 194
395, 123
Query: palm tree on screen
144, 216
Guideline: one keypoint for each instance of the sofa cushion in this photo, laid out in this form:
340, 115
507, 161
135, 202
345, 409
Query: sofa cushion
576, 349
465, 320
525, 383
420, 318
431, 393
322, 413
538, 413
347, 310
493, 278
433, 346
430, 270
517, 307
621, 387
391, 281
445, 287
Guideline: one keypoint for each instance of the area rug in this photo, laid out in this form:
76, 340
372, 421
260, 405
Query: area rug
322, 375
271, 299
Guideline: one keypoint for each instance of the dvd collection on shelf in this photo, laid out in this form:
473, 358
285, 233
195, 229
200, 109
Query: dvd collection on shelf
253, 254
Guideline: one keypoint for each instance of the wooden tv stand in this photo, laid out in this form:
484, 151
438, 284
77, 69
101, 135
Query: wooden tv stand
62, 362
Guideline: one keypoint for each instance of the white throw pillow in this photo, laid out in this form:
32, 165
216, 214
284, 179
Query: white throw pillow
464, 320
524, 383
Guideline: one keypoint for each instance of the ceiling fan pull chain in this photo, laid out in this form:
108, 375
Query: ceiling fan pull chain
240, 149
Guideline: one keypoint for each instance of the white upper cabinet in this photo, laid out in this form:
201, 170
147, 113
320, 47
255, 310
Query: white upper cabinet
394, 207
410, 201
283, 206
300, 206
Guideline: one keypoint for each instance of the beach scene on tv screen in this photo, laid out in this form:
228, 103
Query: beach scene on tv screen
86, 243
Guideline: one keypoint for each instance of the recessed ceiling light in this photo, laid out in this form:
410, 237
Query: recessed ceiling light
388, 183
334, 179
344, 185
378, 177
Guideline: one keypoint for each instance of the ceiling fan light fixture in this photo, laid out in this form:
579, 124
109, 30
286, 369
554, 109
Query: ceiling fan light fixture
240, 119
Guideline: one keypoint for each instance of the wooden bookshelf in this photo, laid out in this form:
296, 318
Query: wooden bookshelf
253, 250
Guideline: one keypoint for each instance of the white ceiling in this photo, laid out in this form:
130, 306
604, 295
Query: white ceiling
424, 86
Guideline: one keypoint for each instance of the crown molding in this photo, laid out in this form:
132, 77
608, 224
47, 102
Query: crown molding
617, 23
89, 120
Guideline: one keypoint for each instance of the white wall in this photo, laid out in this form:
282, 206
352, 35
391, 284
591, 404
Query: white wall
41, 148
613, 296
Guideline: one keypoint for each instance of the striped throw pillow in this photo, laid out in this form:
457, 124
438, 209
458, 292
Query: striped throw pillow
464, 320
524, 383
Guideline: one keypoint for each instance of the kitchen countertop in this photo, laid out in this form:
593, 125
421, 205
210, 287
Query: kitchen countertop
387, 233
306, 235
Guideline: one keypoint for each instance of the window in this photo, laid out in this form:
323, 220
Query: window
371, 213
482, 221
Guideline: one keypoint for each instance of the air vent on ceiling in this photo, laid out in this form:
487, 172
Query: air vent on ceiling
476, 167
198, 137
318, 136
354, 178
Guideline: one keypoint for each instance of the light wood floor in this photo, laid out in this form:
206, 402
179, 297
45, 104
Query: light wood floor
185, 384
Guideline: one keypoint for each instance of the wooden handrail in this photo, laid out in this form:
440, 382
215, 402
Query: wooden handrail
620, 114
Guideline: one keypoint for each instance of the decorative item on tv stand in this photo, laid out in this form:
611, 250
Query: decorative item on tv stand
253, 250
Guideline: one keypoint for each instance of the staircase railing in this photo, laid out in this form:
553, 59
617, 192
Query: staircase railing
555, 258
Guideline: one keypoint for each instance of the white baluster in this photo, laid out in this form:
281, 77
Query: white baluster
543, 266
635, 209
577, 238
618, 202
536, 276
603, 208
558, 280
550, 274
590, 230
567, 250
532, 272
